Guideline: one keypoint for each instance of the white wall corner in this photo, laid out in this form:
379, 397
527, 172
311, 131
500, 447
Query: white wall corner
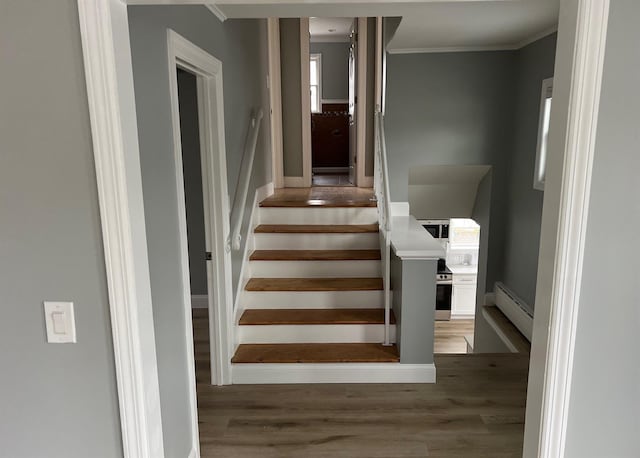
399, 208
215, 9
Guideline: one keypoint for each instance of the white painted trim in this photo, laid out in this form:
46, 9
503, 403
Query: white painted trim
109, 80
208, 71
245, 270
361, 106
399, 208
379, 59
275, 101
216, 11
295, 182
589, 55
305, 101
194, 453
333, 373
499, 332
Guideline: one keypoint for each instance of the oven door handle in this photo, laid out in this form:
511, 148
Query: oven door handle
444, 282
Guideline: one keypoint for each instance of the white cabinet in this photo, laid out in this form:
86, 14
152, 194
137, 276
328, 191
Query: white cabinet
463, 299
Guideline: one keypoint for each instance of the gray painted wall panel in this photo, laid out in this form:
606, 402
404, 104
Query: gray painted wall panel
291, 97
335, 69
453, 108
57, 400
524, 210
413, 297
605, 390
241, 46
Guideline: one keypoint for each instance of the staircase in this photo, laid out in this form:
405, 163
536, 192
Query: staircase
312, 307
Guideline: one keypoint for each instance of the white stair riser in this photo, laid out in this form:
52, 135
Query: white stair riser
311, 299
340, 215
298, 269
314, 333
317, 241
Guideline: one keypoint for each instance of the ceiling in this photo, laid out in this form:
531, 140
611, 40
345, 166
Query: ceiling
330, 29
427, 25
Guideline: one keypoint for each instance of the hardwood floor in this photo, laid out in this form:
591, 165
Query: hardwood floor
314, 284
476, 410
450, 336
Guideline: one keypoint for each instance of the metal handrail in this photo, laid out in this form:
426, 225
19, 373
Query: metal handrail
383, 196
244, 179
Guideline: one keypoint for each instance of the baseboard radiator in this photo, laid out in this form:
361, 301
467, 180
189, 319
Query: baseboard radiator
515, 309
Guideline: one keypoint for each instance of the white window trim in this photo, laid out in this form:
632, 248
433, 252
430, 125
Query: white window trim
539, 172
318, 58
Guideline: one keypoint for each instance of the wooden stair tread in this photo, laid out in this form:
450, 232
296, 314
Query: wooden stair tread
498, 320
313, 316
315, 255
316, 228
315, 284
317, 203
316, 353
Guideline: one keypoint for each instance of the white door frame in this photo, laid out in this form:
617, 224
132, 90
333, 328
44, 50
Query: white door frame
109, 76
275, 101
208, 70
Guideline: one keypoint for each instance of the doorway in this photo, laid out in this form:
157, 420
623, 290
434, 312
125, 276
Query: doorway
332, 86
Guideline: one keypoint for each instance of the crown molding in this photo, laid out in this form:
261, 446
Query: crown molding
215, 9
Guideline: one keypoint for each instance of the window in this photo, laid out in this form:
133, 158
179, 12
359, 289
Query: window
316, 82
543, 134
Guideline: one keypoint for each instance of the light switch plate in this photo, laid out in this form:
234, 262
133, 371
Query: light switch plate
60, 322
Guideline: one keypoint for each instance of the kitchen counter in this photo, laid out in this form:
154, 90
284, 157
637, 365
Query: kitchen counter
463, 270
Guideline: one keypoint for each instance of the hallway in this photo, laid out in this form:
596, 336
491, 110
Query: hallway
476, 410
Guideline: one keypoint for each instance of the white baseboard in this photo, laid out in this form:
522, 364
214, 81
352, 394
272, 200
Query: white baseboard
399, 208
199, 301
194, 453
332, 373
294, 182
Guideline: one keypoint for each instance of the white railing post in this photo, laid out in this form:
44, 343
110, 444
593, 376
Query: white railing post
244, 179
381, 188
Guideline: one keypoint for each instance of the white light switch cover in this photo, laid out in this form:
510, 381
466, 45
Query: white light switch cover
60, 322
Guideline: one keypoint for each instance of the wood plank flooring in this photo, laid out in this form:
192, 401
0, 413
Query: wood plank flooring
316, 228
314, 284
254, 317
315, 255
321, 196
449, 336
476, 410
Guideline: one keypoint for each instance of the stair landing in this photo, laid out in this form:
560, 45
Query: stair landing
321, 197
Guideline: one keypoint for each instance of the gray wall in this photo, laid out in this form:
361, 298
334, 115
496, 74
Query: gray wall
335, 69
192, 173
57, 400
291, 97
605, 395
414, 308
241, 46
453, 108
524, 208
